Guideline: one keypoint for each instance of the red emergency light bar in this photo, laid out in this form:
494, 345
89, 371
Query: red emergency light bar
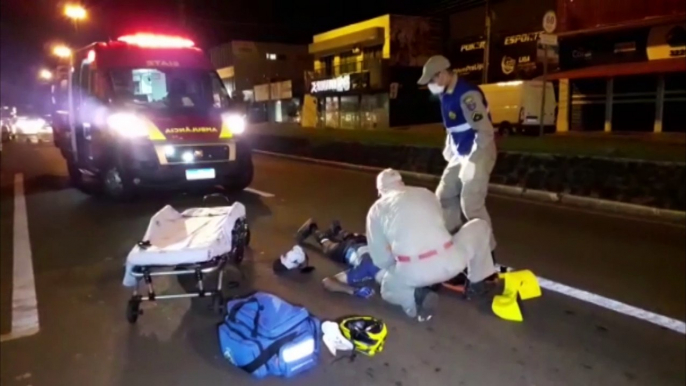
156, 41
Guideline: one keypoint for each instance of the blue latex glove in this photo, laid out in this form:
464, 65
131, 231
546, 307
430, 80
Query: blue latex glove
364, 292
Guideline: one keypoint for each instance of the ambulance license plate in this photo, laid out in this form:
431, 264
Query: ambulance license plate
200, 174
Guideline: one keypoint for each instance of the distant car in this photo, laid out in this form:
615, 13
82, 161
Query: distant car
6, 131
6, 122
32, 127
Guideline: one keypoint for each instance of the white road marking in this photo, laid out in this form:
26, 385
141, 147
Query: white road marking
588, 211
259, 192
24, 301
612, 305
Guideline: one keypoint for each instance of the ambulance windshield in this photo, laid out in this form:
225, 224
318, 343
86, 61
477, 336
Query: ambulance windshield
169, 89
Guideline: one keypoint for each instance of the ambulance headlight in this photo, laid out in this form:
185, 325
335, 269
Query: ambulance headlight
235, 123
127, 125
298, 350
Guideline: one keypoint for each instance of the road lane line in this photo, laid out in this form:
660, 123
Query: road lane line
612, 305
24, 301
259, 192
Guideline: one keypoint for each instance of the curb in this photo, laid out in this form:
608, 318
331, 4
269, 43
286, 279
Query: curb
516, 191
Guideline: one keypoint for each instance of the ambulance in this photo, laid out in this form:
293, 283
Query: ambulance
147, 111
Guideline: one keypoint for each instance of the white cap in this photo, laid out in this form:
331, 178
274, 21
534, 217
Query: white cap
388, 180
334, 339
293, 258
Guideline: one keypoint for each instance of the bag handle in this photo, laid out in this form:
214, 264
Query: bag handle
268, 353
238, 306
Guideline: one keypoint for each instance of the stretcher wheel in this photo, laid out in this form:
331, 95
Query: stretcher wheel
247, 237
218, 303
133, 310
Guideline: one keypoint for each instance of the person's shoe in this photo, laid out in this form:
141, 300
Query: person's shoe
484, 288
336, 227
305, 231
426, 301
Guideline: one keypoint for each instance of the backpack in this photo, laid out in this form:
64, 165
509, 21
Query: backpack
264, 335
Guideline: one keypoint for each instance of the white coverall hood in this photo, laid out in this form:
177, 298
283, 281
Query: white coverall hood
388, 180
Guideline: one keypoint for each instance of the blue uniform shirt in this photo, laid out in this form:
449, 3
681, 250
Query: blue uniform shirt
460, 131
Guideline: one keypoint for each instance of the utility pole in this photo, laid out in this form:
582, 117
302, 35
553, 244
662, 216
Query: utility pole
487, 45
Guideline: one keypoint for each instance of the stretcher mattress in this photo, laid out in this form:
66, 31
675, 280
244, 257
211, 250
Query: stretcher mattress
193, 236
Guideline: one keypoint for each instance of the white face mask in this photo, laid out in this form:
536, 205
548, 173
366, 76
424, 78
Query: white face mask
436, 89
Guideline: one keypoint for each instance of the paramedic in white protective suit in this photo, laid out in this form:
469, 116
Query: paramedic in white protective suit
409, 242
469, 147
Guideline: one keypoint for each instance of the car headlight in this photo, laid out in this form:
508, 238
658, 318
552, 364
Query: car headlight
127, 125
235, 123
30, 126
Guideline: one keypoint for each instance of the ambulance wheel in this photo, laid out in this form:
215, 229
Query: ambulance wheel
75, 176
241, 181
133, 310
116, 185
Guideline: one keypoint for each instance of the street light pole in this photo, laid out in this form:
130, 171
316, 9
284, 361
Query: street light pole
70, 102
182, 11
487, 45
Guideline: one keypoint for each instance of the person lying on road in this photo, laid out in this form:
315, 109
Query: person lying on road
409, 242
345, 248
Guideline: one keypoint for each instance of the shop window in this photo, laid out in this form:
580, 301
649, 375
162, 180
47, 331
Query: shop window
374, 111
370, 57
633, 103
673, 118
326, 66
331, 112
350, 112
348, 64
587, 112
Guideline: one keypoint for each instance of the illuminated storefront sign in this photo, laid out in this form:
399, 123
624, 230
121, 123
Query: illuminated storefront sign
340, 83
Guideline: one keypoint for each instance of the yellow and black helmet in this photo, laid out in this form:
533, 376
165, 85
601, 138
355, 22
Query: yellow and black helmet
368, 334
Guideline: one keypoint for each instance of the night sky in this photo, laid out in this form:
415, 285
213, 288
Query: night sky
30, 27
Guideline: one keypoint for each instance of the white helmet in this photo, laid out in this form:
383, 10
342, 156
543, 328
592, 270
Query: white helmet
388, 180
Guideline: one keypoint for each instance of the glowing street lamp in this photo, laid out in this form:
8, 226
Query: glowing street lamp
75, 12
62, 51
45, 74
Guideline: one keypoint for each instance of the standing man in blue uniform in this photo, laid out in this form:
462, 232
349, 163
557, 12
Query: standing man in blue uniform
469, 147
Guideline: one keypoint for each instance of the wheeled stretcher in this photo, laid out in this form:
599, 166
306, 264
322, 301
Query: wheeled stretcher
197, 241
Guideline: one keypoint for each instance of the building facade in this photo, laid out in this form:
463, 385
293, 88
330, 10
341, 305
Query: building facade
623, 65
365, 74
266, 77
515, 28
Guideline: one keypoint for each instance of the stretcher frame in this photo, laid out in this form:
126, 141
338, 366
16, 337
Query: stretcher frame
240, 239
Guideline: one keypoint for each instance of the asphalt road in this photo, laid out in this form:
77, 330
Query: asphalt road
79, 244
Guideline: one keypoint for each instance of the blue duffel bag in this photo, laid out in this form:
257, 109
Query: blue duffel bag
264, 335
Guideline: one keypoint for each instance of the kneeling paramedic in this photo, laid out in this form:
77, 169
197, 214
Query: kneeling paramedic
470, 148
408, 240
345, 248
